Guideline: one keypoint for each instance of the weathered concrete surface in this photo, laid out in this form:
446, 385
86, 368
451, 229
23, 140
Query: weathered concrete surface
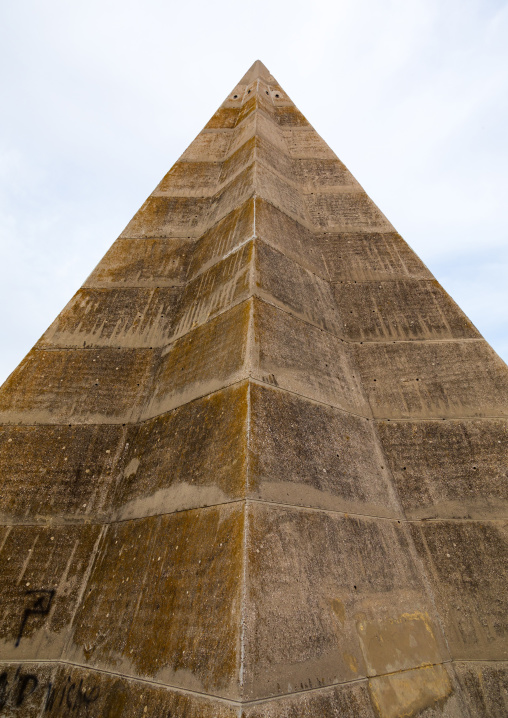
369, 256
64, 472
448, 469
331, 599
402, 309
310, 454
257, 466
433, 379
163, 600
32, 690
143, 263
133, 317
44, 574
88, 386
466, 564
195, 455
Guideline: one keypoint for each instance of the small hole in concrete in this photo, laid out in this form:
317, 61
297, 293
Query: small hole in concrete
248, 92
235, 97
266, 92
354, 587
277, 95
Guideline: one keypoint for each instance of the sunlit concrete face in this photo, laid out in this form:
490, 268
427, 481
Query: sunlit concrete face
257, 465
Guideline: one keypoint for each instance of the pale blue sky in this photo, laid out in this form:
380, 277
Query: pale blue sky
100, 99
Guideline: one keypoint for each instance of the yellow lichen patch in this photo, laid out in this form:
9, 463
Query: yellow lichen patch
403, 695
163, 600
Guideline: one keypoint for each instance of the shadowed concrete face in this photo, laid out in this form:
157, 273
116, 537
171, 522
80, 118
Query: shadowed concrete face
257, 465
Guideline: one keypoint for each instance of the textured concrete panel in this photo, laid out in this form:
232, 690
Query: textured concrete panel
433, 379
289, 237
143, 262
232, 195
466, 565
213, 291
275, 160
24, 688
345, 210
211, 145
281, 194
316, 582
288, 116
403, 309
190, 179
297, 356
193, 456
169, 217
224, 118
165, 567
449, 469
286, 283
307, 143
486, 687
61, 691
424, 691
58, 471
234, 229
44, 572
87, 386
312, 173
347, 701
369, 255
202, 361
313, 455
238, 161
115, 317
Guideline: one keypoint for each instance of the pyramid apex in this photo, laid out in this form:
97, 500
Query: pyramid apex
256, 70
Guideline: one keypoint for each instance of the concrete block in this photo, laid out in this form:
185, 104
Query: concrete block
402, 309
131, 317
190, 179
282, 281
202, 361
322, 173
171, 217
288, 236
309, 454
486, 687
211, 146
350, 209
184, 568
70, 386
44, 572
454, 379
303, 359
318, 585
466, 563
224, 237
369, 255
448, 469
143, 263
193, 456
225, 118
59, 471
305, 142
215, 290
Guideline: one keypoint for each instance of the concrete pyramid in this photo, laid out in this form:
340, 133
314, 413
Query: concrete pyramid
257, 466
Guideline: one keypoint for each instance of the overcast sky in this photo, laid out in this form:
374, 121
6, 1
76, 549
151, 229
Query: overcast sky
99, 99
